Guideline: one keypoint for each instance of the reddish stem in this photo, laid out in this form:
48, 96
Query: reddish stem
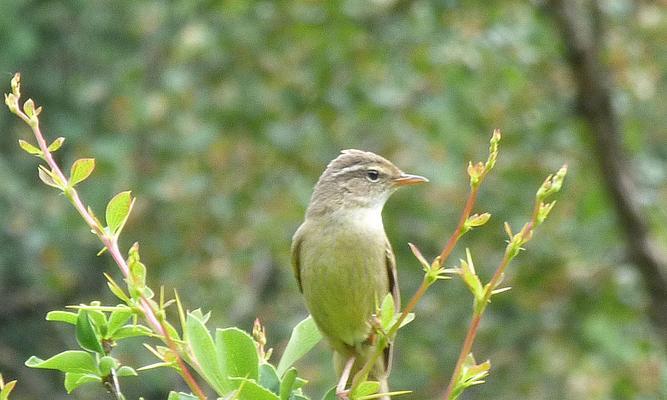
112, 246
467, 210
465, 350
477, 317
444, 255
446, 252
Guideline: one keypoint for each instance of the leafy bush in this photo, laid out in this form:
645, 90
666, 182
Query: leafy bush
233, 363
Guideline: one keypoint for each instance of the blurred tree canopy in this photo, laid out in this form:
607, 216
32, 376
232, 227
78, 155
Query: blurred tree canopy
220, 115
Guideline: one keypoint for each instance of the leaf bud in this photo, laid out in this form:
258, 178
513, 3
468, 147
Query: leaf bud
29, 108
475, 171
476, 220
16, 85
493, 150
12, 102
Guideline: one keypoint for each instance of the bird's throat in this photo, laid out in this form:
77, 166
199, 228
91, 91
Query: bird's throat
360, 217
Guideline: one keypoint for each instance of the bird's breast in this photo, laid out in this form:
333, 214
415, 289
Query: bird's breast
344, 273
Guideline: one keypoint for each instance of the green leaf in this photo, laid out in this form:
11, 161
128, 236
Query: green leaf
387, 311
126, 371
268, 378
67, 361
81, 169
377, 396
11, 100
181, 396
287, 384
477, 220
299, 383
117, 319
115, 289
86, 335
204, 352
250, 390
73, 380
128, 331
330, 395
201, 316
47, 177
408, 318
97, 317
470, 277
237, 353
305, 336
367, 388
30, 149
137, 279
16, 84
157, 365
471, 374
6, 389
29, 108
137, 282
62, 316
118, 210
56, 144
173, 333
106, 364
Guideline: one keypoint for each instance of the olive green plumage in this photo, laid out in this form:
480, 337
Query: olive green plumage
342, 259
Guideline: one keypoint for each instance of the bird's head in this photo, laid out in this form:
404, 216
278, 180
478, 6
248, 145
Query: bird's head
359, 179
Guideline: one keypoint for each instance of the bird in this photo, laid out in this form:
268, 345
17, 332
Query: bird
342, 260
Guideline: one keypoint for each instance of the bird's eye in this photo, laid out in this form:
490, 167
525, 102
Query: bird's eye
373, 175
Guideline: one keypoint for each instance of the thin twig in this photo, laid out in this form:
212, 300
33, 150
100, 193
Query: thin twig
426, 283
471, 334
111, 243
451, 243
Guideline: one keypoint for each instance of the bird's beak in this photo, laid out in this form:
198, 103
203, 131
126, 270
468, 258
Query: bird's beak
408, 179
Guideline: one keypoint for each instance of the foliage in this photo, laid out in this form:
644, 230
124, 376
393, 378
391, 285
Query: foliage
231, 362
6, 388
221, 116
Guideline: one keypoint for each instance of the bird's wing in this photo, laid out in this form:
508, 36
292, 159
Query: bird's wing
390, 260
296, 255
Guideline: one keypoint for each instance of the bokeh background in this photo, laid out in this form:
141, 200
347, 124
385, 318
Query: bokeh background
220, 116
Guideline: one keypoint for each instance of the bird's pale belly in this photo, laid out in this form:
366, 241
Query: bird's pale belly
346, 277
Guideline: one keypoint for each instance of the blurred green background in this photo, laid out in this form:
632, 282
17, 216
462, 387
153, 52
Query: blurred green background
220, 116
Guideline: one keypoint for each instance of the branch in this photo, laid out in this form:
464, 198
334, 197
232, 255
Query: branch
551, 185
30, 115
435, 270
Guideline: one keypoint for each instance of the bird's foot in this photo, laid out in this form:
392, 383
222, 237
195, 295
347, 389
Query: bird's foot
341, 392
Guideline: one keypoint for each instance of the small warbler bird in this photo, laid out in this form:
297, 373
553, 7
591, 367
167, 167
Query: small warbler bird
343, 262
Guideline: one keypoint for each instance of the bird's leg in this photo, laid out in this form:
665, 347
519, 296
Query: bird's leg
341, 392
